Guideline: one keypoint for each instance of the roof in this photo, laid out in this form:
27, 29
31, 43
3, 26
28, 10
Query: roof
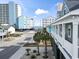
72, 4
72, 13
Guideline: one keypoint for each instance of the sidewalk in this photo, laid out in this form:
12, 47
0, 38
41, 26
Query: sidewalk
50, 53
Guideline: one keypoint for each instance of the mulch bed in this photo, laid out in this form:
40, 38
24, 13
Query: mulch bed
34, 45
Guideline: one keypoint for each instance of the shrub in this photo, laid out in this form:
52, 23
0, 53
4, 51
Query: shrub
15, 35
34, 51
33, 57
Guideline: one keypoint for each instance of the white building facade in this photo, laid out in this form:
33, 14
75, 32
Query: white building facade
30, 23
65, 31
24, 23
47, 21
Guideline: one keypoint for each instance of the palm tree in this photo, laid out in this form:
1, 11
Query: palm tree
36, 38
45, 38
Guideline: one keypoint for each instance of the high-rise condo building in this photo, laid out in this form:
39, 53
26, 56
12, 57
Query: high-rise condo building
9, 13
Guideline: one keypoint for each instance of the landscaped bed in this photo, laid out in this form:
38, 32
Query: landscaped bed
34, 45
15, 35
10, 37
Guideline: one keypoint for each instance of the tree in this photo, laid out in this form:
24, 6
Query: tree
45, 38
37, 38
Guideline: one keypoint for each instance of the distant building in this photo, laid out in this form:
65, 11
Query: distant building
24, 22
59, 8
30, 23
21, 23
4, 13
47, 21
9, 13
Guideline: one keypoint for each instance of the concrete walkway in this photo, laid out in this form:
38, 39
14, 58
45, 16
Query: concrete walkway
50, 53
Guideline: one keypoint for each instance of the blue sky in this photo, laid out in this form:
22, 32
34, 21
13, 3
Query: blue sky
36, 8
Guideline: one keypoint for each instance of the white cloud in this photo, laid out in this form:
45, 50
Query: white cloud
40, 11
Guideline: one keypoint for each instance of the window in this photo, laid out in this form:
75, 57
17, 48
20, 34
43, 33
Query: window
53, 28
56, 29
60, 30
68, 32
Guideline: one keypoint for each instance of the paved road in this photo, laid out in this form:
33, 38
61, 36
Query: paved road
8, 52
